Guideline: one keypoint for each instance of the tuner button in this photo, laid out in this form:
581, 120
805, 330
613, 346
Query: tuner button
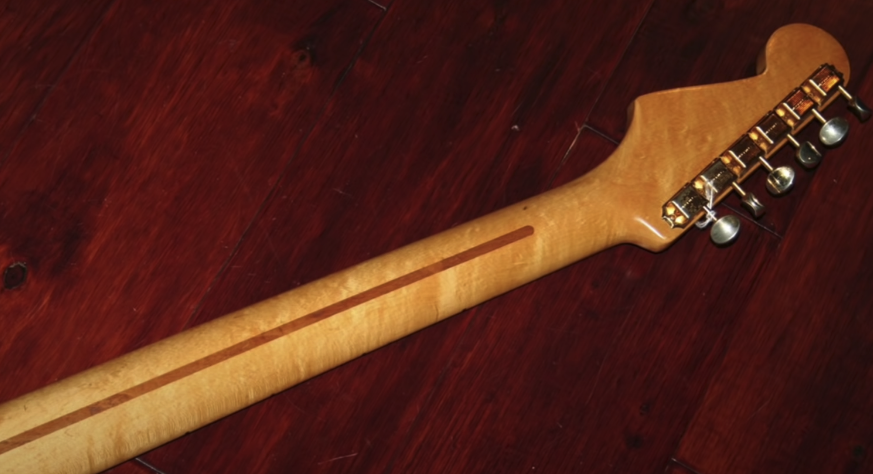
807, 155
780, 180
725, 230
834, 131
856, 106
750, 202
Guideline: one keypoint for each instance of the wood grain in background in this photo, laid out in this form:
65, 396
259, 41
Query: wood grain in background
193, 121
676, 468
37, 42
134, 467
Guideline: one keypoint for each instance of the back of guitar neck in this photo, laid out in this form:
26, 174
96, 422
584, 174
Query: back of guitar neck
115, 411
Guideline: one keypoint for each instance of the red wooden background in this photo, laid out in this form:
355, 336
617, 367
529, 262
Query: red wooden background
164, 163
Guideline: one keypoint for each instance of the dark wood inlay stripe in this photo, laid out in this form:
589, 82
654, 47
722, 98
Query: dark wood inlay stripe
242, 347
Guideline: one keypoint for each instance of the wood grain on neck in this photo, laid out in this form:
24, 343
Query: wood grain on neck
115, 411
258, 340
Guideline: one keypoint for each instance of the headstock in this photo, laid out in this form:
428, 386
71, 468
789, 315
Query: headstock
689, 148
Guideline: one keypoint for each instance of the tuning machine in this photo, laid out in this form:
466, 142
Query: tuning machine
725, 230
820, 89
855, 105
754, 148
750, 202
806, 153
779, 180
833, 132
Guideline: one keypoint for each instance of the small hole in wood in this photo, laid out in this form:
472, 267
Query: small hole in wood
15, 275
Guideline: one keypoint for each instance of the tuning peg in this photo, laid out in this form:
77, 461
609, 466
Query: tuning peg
855, 105
725, 230
834, 131
780, 180
807, 154
750, 202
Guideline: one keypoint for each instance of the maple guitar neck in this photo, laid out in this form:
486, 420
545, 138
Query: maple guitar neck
113, 412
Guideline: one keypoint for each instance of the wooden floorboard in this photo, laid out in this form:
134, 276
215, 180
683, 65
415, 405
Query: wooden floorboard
677, 468
37, 42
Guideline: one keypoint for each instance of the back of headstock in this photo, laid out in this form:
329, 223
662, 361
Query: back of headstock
687, 149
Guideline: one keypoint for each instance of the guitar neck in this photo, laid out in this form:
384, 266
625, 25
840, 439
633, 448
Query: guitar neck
672, 166
118, 410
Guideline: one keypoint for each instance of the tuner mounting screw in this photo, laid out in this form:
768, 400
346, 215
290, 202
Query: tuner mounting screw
750, 202
834, 131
